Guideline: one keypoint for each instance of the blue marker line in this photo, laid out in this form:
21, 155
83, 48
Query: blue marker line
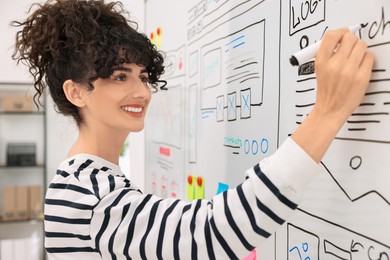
235, 46
236, 39
208, 112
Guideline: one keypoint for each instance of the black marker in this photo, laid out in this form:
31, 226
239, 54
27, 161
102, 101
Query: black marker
310, 51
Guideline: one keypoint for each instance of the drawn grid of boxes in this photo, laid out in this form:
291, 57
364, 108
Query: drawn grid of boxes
231, 69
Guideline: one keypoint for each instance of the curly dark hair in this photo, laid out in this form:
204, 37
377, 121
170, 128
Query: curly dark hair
81, 40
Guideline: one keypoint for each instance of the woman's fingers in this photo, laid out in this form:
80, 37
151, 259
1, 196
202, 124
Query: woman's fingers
366, 67
330, 43
343, 70
358, 52
346, 46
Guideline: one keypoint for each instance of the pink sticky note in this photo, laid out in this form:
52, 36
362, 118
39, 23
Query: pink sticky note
251, 256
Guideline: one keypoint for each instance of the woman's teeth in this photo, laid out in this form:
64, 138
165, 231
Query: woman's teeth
132, 109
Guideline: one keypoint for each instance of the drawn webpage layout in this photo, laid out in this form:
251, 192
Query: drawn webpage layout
233, 98
222, 125
236, 111
346, 211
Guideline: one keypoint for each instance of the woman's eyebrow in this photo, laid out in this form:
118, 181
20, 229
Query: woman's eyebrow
122, 68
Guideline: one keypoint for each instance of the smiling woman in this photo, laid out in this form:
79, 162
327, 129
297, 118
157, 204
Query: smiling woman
82, 42
100, 71
117, 104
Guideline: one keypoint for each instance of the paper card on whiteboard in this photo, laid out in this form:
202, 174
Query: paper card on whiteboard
222, 187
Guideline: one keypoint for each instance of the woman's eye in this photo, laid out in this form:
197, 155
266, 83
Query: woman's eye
144, 79
120, 77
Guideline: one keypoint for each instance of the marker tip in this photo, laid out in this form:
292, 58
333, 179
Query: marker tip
294, 61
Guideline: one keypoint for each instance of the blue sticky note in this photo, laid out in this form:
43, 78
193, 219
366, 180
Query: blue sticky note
222, 187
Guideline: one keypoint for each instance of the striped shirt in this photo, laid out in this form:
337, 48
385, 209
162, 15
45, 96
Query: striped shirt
92, 211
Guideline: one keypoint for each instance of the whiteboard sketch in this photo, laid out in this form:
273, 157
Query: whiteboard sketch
353, 220
233, 98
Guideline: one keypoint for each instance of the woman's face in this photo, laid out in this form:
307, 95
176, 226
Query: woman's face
120, 101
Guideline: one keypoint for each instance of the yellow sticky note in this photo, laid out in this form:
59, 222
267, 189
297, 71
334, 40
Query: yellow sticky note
159, 37
199, 188
191, 187
152, 38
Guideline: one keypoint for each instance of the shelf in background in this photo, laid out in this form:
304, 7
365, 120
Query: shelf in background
23, 134
22, 221
20, 229
5, 167
22, 113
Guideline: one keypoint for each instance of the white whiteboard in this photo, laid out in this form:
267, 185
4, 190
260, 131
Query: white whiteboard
233, 98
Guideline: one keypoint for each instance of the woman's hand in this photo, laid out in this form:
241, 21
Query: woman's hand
342, 75
343, 70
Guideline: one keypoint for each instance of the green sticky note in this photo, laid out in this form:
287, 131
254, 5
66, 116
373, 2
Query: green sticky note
199, 188
191, 187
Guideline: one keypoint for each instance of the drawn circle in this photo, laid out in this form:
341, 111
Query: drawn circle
264, 145
355, 162
305, 246
246, 146
255, 144
304, 42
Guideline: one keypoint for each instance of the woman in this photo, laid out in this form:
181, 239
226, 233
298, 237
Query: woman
100, 71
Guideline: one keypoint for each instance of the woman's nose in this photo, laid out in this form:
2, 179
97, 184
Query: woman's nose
142, 90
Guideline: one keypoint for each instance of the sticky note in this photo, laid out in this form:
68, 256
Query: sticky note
222, 187
199, 188
152, 38
251, 256
158, 37
191, 187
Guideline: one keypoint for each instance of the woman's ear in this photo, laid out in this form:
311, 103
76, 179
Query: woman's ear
74, 93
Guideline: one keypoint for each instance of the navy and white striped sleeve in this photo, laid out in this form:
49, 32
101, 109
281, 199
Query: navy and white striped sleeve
128, 224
